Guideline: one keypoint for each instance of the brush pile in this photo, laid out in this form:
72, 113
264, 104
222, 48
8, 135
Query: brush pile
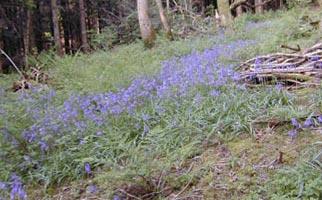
299, 69
32, 77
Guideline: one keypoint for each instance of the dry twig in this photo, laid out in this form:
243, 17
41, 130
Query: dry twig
299, 68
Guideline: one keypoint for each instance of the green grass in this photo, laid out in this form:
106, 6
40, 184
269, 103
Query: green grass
187, 141
108, 70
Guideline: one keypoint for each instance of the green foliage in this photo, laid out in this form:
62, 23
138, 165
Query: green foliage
104, 40
176, 135
298, 3
106, 70
301, 182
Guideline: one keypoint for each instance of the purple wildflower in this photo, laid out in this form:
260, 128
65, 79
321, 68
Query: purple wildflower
292, 133
82, 141
308, 123
314, 58
99, 133
146, 130
88, 168
43, 146
159, 109
176, 79
295, 123
116, 197
320, 119
214, 93
3, 186
92, 188
145, 117
17, 189
279, 86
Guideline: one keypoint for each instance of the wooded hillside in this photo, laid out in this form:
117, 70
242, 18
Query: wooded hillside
30, 27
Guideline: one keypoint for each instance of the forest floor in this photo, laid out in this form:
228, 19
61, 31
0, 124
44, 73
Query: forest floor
167, 123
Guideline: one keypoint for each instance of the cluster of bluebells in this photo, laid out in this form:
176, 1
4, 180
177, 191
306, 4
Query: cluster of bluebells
15, 187
77, 115
178, 76
308, 123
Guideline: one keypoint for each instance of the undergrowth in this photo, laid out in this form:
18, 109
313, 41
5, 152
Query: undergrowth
113, 116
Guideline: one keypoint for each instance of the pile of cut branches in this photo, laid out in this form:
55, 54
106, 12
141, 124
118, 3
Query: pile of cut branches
299, 69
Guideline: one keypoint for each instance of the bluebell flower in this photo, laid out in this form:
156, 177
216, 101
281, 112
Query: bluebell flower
214, 93
279, 86
197, 99
92, 188
145, 117
88, 168
308, 122
146, 130
295, 123
292, 133
176, 79
43, 146
17, 189
315, 58
99, 133
82, 141
320, 118
3, 186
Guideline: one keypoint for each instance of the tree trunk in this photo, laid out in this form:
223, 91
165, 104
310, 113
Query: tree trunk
94, 19
203, 7
26, 37
1, 47
281, 4
55, 18
259, 6
168, 6
82, 15
164, 20
190, 6
147, 32
32, 38
44, 20
224, 12
239, 11
320, 3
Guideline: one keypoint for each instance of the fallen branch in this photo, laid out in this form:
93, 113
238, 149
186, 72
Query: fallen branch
298, 68
11, 61
297, 49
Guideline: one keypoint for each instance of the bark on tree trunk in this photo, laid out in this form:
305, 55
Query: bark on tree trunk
82, 15
168, 6
26, 37
1, 47
320, 3
94, 19
164, 20
32, 40
259, 6
190, 5
281, 4
147, 32
224, 12
239, 11
203, 8
55, 18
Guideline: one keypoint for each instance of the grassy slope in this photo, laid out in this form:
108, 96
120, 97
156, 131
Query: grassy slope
235, 158
218, 166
